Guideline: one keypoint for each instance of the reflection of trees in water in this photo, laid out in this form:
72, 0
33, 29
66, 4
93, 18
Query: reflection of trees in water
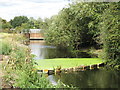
43, 51
92, 79
57, 53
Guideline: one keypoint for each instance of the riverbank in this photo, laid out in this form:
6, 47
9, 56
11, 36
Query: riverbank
66, 62
18, 69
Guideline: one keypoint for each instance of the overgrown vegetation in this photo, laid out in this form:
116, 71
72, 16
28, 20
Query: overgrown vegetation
110, 34
6, 48
19, 68
80, 25
85, 25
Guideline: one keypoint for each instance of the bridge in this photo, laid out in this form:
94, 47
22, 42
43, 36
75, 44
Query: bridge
34, 34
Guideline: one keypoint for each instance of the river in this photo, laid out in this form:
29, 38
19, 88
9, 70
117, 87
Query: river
84, 79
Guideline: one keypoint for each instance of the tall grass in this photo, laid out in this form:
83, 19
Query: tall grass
5, 47
19, 69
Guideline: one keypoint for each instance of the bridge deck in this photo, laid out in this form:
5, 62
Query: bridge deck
36, 36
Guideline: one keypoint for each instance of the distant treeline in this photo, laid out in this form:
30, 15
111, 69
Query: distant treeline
20, 23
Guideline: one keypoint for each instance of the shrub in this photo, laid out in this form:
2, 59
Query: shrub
19, 69
5, 47
110, 33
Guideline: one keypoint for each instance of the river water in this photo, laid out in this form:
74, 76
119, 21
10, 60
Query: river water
85, 79
43, 51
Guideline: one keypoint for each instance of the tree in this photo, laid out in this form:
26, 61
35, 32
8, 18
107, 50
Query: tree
5, 26
35, 23
110, 34
82, 24
76, 26
18, 20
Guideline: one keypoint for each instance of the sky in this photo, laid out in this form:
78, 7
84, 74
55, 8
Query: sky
31, 8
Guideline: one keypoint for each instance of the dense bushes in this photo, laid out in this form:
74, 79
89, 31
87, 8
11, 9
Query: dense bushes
110, 33
19, 69
76, 26
5, 47
83, 25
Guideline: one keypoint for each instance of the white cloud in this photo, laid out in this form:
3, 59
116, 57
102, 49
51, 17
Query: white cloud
31, 8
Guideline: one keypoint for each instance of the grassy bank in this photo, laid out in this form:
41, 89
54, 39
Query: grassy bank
66, 62
19, 70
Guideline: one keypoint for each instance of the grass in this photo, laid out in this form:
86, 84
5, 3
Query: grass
19, 68
4, 34
66, 62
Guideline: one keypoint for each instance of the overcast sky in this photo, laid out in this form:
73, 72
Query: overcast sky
30, 8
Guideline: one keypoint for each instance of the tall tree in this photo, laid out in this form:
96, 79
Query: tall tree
5, 26
110, 33
18, 20
76, 26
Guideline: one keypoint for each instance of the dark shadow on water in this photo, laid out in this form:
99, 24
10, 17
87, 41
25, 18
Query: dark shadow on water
43, 51
91, 79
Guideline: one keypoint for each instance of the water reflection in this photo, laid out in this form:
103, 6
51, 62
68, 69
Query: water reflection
52, 79
86, 79
44, 51
91, 79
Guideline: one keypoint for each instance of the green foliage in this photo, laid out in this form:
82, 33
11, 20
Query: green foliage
86, 24
76, 26
5, 47
22, 23
110, 33
19, 68
46, 23
31, 80
35, 23
66, 62
18, 20
4, 25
